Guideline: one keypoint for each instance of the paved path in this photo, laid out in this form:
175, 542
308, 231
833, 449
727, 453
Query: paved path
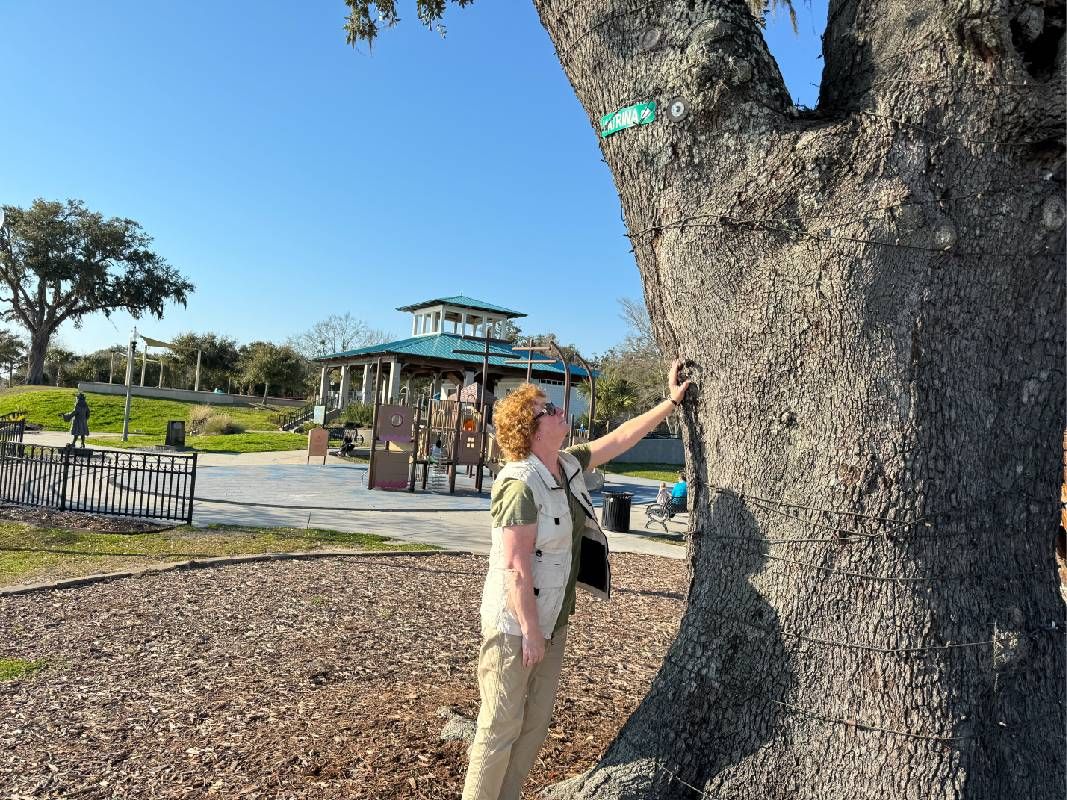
282, 489
335, 496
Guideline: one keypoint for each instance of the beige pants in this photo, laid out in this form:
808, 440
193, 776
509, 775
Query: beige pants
513, 722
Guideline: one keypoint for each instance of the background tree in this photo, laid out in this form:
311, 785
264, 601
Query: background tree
219, 358
274, 365
336, 334
616, 400
59, 362
870, 298
543, 340
636, 363
12, 351
509, 331
93, 366
60, 261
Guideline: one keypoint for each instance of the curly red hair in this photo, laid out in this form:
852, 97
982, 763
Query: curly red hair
515, 423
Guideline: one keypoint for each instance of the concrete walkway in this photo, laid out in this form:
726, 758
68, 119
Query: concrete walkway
281, 489
335, 496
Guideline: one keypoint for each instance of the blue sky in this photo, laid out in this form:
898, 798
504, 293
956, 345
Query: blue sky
290, 176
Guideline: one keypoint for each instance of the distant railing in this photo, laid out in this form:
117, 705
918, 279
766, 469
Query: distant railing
295, 419
126, 484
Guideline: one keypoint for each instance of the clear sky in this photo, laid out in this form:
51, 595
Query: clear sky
291, 177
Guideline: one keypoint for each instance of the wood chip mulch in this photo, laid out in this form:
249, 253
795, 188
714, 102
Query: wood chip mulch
298, 679
74, 520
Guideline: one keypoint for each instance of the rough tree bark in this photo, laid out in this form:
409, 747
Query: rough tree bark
870, 295
35, 355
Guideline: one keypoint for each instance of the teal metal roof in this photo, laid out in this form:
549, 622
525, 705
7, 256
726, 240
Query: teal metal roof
441, 345
464, 302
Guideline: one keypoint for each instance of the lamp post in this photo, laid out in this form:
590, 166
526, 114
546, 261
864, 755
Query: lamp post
129, 381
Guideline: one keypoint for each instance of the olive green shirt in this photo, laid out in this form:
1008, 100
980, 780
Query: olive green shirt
513, 503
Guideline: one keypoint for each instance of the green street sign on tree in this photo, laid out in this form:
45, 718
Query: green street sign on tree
629, 117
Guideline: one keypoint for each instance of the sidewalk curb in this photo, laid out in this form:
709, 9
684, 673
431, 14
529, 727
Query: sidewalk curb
219, 561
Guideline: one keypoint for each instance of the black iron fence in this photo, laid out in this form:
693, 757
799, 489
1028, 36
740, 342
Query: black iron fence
128, 484
12, 428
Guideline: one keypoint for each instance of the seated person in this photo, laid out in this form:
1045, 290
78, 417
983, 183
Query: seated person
663, 496
348, 441
664, 500
680, 494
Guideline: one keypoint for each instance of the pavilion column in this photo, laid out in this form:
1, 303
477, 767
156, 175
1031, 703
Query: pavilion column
346, 374
394, 381
364, 395
468, 377
435, 386
324, 385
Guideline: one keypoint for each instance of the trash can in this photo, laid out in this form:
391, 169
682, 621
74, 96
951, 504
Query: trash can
176, 433
615, 515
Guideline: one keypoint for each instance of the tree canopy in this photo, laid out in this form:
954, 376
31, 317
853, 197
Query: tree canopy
219, 357
367, 18
336, 334
59, 261
274, 365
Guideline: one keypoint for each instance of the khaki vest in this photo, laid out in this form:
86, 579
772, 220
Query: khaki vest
551, 560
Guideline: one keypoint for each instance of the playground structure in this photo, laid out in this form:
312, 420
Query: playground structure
420, 442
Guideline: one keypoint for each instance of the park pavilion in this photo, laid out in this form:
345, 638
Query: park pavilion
449, 336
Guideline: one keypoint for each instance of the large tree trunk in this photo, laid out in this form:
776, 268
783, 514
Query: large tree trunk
35, 357
871, 300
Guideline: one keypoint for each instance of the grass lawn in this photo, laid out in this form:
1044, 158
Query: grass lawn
29, 553
667, 473
11, 668
43, 406
231, 443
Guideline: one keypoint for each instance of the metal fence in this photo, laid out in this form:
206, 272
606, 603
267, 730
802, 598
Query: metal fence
134, 484
12, 428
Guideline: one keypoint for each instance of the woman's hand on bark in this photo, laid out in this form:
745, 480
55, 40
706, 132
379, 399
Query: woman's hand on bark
677, 390
533, 649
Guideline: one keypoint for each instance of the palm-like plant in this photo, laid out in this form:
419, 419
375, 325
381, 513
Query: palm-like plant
12, 351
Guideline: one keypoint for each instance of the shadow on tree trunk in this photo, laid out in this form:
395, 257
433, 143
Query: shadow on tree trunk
716, 700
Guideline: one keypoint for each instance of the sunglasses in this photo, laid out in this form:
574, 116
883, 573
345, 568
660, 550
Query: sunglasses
549, 409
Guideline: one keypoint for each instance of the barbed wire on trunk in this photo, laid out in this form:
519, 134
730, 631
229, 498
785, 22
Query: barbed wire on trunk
925, 521
853, 723
1032, 633
949, 135
564, 55
963, 576
947, 250
855, 215
857, 724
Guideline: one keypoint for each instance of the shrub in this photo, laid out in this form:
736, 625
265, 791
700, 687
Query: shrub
198, 417
359, 414
222, 424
